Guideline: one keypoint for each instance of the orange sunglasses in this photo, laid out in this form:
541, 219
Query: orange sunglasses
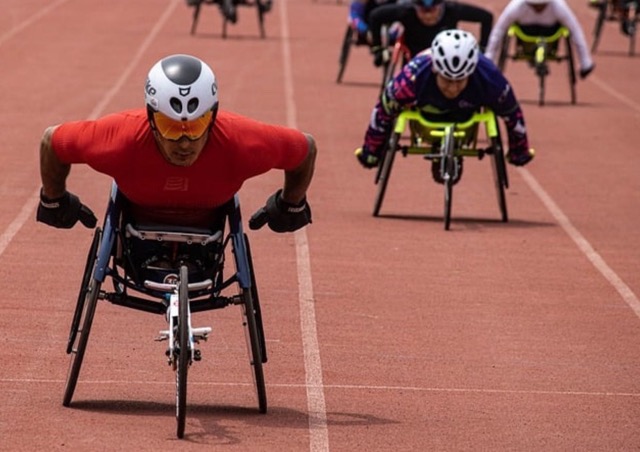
173, 130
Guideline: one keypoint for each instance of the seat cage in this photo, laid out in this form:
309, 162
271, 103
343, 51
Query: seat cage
121, 239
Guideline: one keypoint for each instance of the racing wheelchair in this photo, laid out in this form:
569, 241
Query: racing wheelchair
354, 39
625, 12
538, 52
262, 7
173, 272
445, 145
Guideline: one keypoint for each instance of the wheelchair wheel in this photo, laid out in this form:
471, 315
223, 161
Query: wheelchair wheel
82, 320
88, 270
256, 304
448, 166
196, 15
184, 351
632, 33
261, 13
255, 338
500, 175
597, 30
344, 53
572, 71
384, 171
541, 71
253, 346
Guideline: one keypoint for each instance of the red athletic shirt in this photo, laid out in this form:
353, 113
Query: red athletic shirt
122, 146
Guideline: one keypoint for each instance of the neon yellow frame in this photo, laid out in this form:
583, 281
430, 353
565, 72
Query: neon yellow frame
515, 30
486, 117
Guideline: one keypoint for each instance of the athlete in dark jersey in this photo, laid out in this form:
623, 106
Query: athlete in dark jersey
424, 19
449, 86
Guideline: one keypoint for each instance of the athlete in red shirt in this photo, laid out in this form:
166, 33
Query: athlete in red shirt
180, 158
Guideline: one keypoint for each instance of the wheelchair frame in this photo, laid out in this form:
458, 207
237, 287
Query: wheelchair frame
176, 297
197, 5
611, 10
400, 56
541, 57
350, 40
451, 141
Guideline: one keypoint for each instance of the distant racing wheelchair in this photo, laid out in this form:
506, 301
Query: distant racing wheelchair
538, 51
173, 272
445, 145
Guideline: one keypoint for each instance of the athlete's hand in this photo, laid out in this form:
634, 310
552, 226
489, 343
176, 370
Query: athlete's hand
280, 215
64, 212
380, 55
520, 157
367, 158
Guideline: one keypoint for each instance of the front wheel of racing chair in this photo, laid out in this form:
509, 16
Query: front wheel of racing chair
499, 165
184, 351
82, 318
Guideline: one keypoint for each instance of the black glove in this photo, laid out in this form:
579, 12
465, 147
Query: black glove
586, 71
64, 212
520, 157
281, 215
379, 56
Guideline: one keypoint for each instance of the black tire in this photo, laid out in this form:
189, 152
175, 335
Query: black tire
184, 351
82, 335
92, 255
572, 71
632, 34
597, 30
252, 336
196, 15
256, 303
261, 13
448, 165
500, 177
384, 171
344, 53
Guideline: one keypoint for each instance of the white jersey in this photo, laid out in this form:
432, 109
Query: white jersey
518, 11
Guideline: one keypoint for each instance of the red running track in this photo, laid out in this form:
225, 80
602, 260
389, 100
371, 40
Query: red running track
383, 334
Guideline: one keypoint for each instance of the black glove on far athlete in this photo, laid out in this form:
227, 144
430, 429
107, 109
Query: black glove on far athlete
280, 215
64, 212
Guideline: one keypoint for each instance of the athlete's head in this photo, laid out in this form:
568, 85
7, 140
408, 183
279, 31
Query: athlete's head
181, 95
455, 56
428, 11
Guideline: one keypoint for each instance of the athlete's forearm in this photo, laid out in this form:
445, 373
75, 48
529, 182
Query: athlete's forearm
297, 181
52, 171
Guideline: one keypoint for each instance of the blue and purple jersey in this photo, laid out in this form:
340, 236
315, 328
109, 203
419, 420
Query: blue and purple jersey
415, 87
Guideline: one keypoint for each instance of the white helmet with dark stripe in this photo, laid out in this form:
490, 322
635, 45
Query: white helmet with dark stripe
181, 87
455, 54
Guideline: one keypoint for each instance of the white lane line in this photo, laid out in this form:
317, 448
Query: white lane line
611, 91
26, 212
318, 431
34, 18
625, 291
337, 387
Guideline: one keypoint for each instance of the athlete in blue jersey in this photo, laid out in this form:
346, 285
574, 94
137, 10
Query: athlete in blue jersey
448, 82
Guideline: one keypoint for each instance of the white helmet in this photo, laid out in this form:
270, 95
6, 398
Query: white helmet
181, 87
455, 54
